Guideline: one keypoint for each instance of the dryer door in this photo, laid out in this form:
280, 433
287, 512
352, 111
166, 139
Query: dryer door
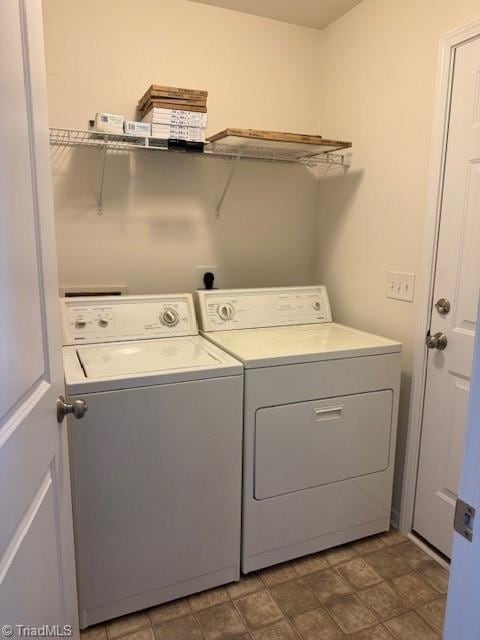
309, 444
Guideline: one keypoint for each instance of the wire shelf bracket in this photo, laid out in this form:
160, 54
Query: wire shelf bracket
102, 182
218, 208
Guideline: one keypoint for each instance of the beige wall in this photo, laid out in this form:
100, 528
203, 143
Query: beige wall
379, 69
159, 211
368, 78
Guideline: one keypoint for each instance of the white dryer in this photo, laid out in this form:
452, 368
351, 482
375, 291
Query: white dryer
156, 461
320, 418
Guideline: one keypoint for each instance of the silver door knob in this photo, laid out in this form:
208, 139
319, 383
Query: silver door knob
437, 341
442, 305
78, 408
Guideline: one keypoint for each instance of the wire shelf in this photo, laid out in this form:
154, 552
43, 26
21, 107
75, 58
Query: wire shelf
76, 137
314, 161
272, 154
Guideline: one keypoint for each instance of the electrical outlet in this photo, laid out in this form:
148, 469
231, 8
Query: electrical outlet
201, 270
400, 286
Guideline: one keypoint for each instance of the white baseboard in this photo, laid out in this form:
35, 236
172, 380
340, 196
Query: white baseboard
429, 551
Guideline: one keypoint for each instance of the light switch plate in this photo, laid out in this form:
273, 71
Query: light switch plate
400, 286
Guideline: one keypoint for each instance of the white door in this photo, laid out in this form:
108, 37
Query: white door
37, 578
463, 613
457, 279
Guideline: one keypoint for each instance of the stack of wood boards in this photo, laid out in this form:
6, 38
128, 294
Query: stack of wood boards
173, 98
176, 114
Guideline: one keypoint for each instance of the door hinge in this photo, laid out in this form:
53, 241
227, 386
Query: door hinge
464, 519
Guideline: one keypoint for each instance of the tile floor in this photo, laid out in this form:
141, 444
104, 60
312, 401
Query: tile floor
379, 588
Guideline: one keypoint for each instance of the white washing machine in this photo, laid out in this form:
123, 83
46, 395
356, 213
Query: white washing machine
156, 460
320, 418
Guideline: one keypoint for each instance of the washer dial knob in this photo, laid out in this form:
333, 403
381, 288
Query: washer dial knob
316, 305
103, 323
226, 311
169, 317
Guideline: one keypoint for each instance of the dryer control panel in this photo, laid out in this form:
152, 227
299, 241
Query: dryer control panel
112, 319
229, 309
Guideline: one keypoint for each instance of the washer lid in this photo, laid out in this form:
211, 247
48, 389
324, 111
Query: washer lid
139, 357
304, 343
123, 365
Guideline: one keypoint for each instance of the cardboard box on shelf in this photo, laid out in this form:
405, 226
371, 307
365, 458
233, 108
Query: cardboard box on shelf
109, 123
176, 116
138, 128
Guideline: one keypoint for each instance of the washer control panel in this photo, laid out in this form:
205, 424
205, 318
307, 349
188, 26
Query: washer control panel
111, 319
223, 310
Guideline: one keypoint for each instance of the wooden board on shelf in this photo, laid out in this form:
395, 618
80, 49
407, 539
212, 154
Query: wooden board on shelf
159, 91
260, 134
177, 99
256, 142
154, 96
171, 105
177, 90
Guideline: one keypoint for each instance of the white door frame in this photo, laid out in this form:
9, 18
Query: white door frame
447, 48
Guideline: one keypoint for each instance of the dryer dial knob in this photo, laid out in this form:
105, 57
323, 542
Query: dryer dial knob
103, 323
316, 305
169, 317
226, 311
